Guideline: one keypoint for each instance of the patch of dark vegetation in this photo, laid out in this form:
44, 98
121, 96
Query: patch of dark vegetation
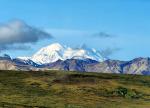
76, 78
127, 93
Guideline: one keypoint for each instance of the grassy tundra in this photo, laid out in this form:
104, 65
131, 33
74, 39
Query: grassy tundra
59, 89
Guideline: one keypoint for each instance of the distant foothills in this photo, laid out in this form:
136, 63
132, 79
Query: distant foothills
83, 59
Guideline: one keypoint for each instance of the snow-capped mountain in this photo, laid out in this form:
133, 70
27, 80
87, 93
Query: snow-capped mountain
56, 52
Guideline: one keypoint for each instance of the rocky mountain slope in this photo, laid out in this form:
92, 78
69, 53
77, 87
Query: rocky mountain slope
7, 63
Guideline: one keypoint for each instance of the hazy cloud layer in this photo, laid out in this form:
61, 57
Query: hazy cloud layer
18, 32
106, 53
102, 35
14, 47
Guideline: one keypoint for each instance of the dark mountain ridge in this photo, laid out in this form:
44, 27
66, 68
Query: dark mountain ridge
136, 66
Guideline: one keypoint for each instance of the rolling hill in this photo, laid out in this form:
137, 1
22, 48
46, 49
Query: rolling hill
62, 89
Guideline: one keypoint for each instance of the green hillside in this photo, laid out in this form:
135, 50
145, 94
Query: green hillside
57, 89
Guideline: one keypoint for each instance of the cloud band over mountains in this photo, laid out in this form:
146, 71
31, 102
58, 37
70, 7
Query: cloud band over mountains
18, 32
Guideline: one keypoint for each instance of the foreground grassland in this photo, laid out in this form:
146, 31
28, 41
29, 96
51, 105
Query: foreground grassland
57, 89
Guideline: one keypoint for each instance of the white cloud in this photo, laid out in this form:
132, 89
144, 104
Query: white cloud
18, 32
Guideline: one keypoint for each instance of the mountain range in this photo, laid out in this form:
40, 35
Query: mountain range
83, 59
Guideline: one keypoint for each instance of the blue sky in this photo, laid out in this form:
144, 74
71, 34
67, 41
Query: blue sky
74, 22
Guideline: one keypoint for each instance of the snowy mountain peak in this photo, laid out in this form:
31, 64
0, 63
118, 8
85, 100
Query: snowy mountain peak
48, 54
54, 47
56, 51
